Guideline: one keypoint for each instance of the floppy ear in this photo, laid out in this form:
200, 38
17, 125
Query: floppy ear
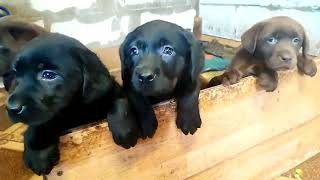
96, 80
22, 31
250, 37
122, 55
196, 57
122, 51
125, 64
305, 45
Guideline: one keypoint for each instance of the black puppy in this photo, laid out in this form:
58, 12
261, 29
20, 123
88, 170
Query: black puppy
161, 60
60, 84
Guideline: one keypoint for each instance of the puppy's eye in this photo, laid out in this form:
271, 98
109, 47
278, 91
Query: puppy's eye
168, 50
134, 51
272, 40
48, 75
296, 40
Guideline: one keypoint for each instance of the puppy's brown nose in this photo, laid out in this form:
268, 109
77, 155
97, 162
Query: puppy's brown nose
146, 76
285, 57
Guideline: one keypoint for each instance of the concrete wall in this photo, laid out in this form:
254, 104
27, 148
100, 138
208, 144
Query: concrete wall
98, 23
229, 19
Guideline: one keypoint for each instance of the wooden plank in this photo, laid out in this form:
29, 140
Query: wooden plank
270, 158
225, 41
12, 167
283, 178
109, 56
14, 133
4, 119
307, 170
235, 119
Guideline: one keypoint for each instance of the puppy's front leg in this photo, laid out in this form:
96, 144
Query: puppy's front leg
122, 124
268, 79
41, 151
145, 115
307, 66
188, 116
240, 67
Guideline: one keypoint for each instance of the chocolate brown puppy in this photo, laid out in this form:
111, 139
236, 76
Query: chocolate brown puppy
14, 33
269, 46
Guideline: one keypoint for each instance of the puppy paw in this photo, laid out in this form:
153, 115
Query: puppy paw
266, 83
231, 77
41, 161
126, 138
149, 127
215, 81
309, 68
188, 122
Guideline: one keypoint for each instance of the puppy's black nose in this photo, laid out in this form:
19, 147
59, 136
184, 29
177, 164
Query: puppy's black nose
15, 108
146, 76
285, 57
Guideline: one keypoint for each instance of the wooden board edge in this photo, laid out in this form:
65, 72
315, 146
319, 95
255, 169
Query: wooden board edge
296, 145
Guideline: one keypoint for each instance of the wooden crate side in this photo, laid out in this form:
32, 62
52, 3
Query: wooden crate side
235, 119
12, 167
270, 158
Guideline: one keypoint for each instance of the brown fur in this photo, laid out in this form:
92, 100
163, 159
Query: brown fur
14, 33
268, 47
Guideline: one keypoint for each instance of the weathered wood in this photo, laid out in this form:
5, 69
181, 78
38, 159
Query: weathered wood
308, 170
283, 178
235, 119
12, 167
11, 148
225, 41
270, 158
4, 119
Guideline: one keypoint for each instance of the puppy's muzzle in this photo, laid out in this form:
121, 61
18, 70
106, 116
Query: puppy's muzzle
285, 57
145, 75
15, 107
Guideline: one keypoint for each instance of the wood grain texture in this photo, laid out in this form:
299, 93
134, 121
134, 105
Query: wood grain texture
235, 119
309, 168
12, 166
4, 119
270, 158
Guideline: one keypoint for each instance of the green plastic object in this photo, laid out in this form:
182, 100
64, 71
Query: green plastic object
216, 64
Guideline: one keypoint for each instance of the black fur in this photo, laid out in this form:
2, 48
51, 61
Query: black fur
161, 60
57, 84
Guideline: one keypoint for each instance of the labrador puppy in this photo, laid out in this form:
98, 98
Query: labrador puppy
161, 60
270, 46
60, 84
14, 33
